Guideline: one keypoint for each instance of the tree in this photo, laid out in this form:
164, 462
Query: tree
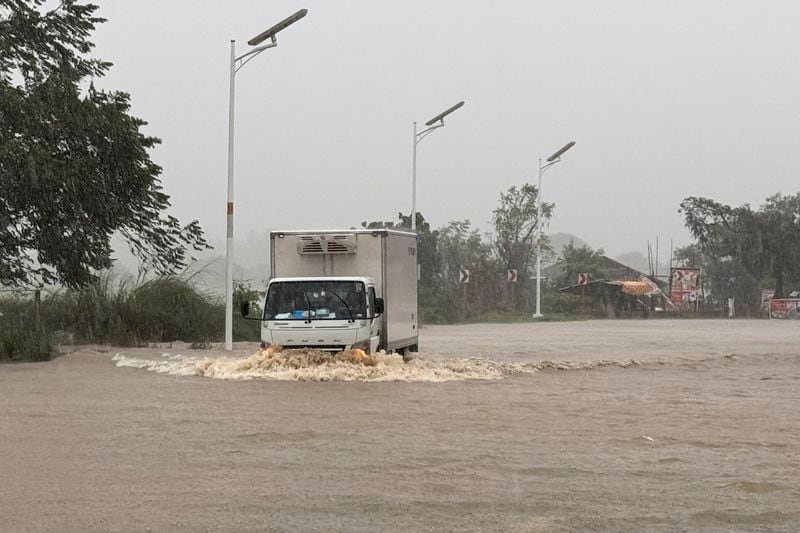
515, 224
746, 243
427, 243
74, 165
722, 276
576, 260
514, 234
781, 215
461, 247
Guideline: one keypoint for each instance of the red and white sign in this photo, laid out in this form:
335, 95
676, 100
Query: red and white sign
583, 278
511, 275
784, 308
463, 275
685, 285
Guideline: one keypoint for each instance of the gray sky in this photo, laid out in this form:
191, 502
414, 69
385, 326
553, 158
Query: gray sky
665, 100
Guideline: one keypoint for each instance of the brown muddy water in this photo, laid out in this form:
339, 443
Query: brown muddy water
583, 426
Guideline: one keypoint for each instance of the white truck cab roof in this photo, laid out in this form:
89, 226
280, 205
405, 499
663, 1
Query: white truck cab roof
366, 279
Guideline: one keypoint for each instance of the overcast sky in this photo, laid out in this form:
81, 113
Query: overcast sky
664, 99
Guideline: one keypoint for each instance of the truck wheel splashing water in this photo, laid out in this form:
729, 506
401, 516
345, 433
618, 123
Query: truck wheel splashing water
275, 357
274, 363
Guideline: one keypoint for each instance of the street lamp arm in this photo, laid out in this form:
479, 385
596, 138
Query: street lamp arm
424, 133
550, 164
245, 58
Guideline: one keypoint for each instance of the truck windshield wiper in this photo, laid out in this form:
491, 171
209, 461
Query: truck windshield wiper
308, 301
345, 305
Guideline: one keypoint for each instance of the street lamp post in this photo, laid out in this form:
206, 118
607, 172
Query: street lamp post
552, 160
432, 124
236, 64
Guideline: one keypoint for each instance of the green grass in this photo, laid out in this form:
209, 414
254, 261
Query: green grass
120, 312
22, 337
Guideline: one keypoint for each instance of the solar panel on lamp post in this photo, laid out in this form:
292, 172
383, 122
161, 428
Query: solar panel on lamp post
552, 160
236, 64
435, 122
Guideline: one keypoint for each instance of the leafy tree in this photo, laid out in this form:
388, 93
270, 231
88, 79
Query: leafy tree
575, 260
515, 223
74, 165
748, 244
781, 215
427, 244
515, 236
460, 246
443, 252
722, 276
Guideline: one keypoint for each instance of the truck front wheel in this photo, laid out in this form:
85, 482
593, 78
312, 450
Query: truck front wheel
406, 353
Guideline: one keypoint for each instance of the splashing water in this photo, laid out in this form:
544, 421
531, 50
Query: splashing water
354, 365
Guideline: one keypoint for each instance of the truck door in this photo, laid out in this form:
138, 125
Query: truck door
375, 324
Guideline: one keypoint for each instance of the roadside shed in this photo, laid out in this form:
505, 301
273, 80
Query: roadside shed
619, 298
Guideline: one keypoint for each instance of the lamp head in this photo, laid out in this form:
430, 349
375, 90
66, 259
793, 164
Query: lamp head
282, 25
443, 114
561, 151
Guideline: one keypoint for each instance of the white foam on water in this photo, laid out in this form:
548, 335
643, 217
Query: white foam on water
314, 365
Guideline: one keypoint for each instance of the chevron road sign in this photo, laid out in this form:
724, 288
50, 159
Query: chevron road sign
463, 275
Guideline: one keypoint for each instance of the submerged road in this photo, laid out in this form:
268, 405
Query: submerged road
601, 425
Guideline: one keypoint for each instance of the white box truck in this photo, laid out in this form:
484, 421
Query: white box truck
337, 290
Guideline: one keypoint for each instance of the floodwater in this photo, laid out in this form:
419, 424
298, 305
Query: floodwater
661, 425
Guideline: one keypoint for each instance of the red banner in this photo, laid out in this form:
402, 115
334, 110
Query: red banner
784, 308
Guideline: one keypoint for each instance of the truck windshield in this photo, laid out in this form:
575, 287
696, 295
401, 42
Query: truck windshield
316, 300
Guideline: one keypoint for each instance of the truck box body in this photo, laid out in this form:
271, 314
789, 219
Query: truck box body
388, 257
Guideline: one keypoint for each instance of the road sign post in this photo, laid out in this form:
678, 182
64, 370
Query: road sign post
583, 281
463, 279
511, 278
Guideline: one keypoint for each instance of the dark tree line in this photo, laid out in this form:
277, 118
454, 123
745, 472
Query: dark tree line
742, 250
444, 251
74, 165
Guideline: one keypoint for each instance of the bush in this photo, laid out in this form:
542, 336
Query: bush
123, 313
163, 309
243, 329
22, 337
563, 303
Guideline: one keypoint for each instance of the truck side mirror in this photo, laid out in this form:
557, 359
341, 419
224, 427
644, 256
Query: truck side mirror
378, 306
244, 309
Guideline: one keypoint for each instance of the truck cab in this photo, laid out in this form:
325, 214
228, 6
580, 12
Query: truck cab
331, 313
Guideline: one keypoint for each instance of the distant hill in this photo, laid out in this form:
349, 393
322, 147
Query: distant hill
559, 240
639, 261
635, 260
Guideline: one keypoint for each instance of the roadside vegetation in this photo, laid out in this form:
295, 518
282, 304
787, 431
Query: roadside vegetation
742, 250
120, 312
22, 337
